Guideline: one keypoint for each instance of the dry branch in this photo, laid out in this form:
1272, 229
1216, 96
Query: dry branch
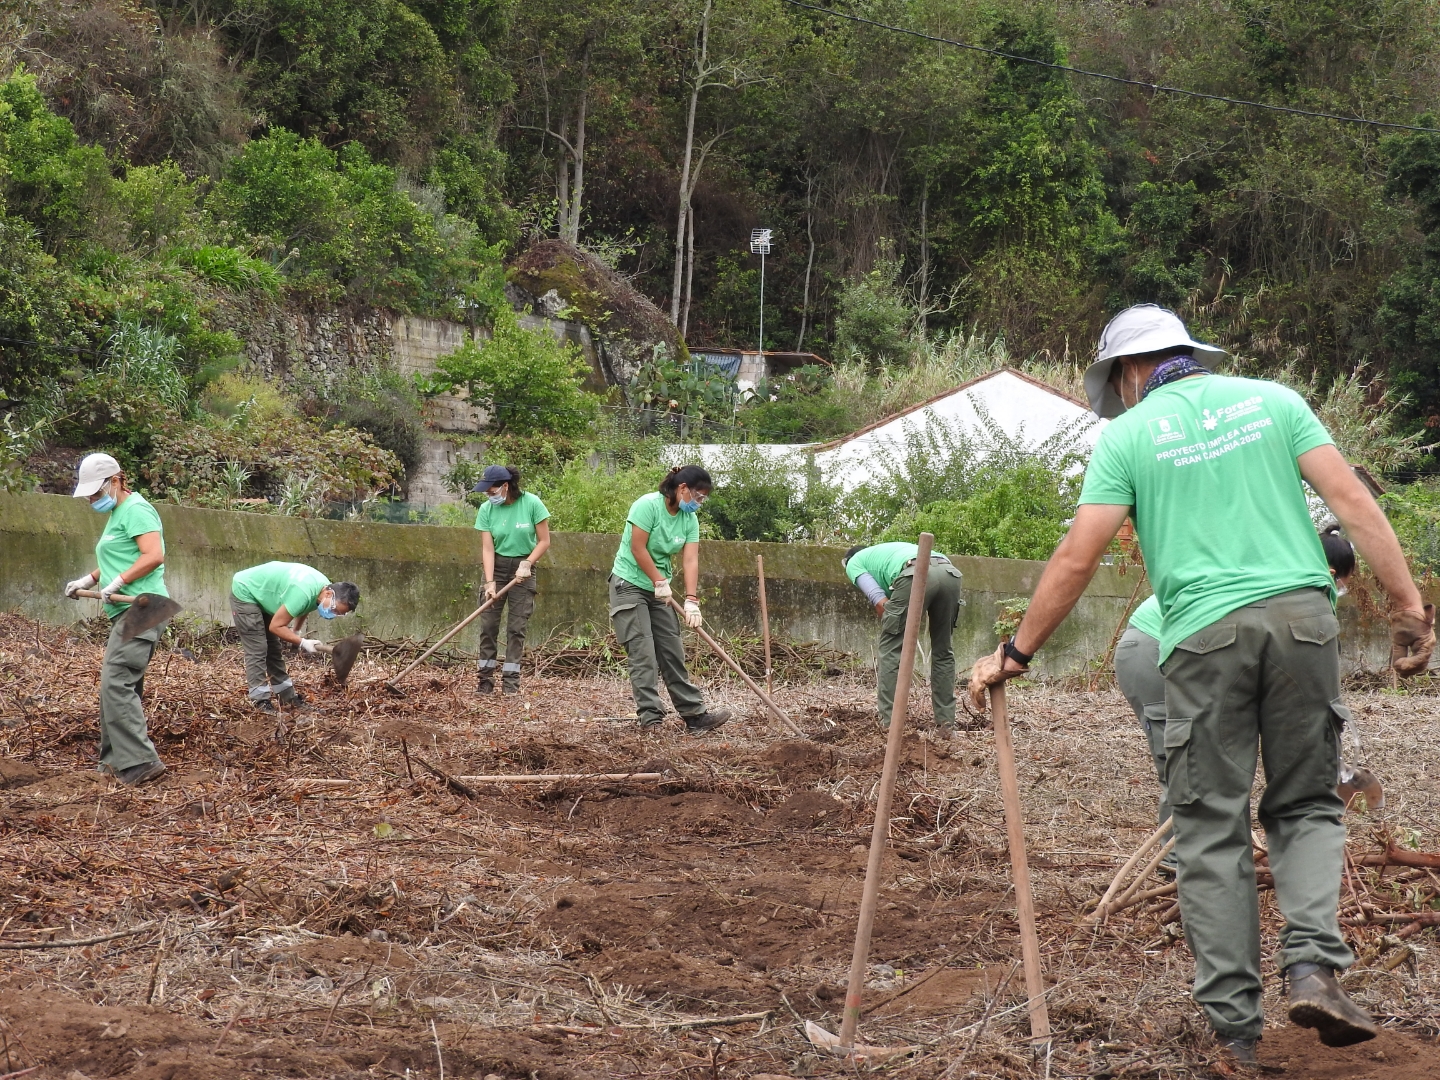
75, 943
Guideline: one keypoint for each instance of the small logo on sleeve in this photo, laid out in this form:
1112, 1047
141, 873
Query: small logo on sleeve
1167, 429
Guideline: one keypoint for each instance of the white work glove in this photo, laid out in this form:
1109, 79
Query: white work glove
110, 590
522, 571
490, 590
309, 645
73, 587
662, 589
692, 613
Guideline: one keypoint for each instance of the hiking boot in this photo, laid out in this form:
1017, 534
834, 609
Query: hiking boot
143, 773
486, 684
1242, 1051
944, 732
265, 705
1317, 1001
651, 725
507, 687
706, 721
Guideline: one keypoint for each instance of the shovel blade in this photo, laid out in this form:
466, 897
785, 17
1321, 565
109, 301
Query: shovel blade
344, 655
1361, 784
147, 611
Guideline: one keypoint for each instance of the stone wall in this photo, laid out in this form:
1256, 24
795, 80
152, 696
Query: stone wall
418, 580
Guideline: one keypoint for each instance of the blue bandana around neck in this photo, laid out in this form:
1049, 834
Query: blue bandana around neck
1177, 367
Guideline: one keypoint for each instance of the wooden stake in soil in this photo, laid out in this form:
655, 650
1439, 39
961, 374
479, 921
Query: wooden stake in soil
1020, 871
751, 683
765, 623
390, 684
881, 834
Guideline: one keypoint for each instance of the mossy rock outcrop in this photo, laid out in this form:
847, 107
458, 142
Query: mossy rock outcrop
628, 328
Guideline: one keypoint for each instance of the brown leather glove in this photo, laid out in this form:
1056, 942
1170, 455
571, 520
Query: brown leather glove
989, 671
1412, 640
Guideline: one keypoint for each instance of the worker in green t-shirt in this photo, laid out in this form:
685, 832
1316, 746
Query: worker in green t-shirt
658, 527
130, 558
884, 573
268, 604
514, 535
1210, 468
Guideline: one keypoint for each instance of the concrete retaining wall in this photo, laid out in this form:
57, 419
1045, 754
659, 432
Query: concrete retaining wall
417, 580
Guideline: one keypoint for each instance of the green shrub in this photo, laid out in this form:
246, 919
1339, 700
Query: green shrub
1414, 513
583, 498
800, 406
874, 320
230, 268
692, 389
527, 381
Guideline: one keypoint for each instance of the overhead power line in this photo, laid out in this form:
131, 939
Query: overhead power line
1157, 88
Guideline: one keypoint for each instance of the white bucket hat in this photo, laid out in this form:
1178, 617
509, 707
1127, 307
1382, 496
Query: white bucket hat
1144, 328
94, 471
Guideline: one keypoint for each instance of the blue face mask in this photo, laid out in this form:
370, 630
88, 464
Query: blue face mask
104, 504
326, 611
689, 507
495, 500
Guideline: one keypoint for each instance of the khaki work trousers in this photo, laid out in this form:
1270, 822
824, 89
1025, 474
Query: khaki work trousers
942, 606
650, 631
265, 671
1137, 670
1267, 674
124, 736
519, 605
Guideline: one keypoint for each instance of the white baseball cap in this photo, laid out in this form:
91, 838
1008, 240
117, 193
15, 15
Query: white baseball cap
1144, 328
94, 471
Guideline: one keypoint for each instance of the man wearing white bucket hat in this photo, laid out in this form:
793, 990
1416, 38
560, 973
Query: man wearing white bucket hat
130, 557
1210, 468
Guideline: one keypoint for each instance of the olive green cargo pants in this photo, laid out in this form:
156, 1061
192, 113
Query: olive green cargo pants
942, 606
265, 670
650, 631
519, 605
124, 737
1137, 670
1268, 672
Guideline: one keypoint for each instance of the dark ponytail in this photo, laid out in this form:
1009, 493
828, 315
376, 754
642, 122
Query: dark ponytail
514, 492
1339, 552
692, 476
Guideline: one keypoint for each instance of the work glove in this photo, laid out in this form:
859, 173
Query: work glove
662, 589
490, 590
309, 645
692, 613
522, 571
1412, 640
73, 587
119, 583
989, 671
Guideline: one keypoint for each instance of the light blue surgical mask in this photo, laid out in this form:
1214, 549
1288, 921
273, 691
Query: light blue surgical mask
104, 504
689, 507
326, 611
495, 500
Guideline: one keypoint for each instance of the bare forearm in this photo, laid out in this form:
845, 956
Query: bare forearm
638, 540
1369, 530
487, 556
542, 544
690, 559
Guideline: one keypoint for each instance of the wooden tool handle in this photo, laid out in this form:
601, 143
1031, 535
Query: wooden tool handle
91, 594
453, 631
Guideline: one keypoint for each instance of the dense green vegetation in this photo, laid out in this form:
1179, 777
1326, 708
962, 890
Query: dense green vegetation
165, 169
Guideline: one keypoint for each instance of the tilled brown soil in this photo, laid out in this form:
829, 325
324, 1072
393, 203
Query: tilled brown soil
385, 925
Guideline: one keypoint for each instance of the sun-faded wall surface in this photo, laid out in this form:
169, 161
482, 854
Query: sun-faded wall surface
417, 580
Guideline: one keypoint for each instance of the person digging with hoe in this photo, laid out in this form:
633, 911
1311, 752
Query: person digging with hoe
514, 533
130, 557
658, 527
884, 573
1209, 467
269, 603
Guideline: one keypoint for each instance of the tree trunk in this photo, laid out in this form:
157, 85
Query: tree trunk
809, 259
577, 190
702, 46
924, 253
562, 180
689, 264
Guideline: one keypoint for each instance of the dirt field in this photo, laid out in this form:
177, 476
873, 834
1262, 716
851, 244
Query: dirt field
611, 929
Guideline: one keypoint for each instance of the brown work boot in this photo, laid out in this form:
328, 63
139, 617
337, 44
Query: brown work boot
1317, 1001
707, 721
143, 773
1240, 1051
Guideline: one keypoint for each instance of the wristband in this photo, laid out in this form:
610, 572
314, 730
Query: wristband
1012, 653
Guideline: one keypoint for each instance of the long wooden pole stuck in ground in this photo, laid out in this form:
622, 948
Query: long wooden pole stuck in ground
1020, 871
452, 632
870, 897
751, 683
765, 623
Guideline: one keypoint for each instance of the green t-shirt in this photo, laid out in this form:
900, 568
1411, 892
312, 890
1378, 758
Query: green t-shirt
883, 562
1147, 618
273, 585
116, 550
512, 525
669, 533
1208, 466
